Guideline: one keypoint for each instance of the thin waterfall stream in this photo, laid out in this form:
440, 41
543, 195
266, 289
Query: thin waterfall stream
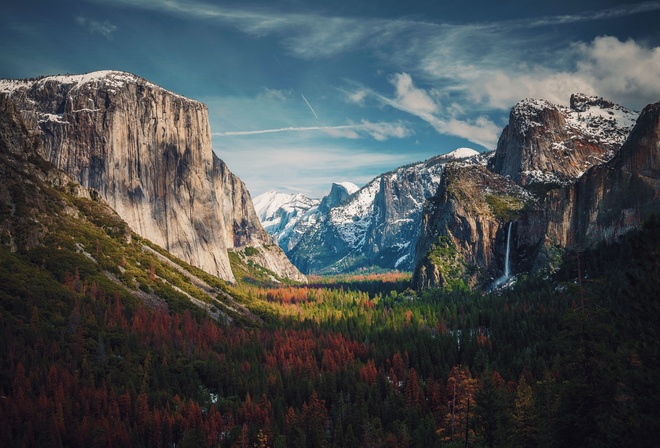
507, 262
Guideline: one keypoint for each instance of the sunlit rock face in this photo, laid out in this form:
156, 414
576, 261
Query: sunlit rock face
465, 228
148, 152
548, 143
568, 178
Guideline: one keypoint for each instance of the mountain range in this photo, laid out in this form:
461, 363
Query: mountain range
353, 228
561, 178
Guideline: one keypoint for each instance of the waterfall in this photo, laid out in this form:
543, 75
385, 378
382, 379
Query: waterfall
507, 270
507, 262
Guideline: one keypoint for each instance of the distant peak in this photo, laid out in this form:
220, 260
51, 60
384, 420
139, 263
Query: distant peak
462, 153
350, 187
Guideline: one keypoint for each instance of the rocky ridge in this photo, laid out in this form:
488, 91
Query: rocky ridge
375, 226
607, 185
464, 227
548, 143
148, 153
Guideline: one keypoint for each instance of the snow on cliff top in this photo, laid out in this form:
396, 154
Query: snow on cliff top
111, 78
591, 116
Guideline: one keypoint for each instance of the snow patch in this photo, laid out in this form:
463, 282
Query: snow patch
462, 153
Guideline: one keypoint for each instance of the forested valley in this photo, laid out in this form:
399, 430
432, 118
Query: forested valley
570, 358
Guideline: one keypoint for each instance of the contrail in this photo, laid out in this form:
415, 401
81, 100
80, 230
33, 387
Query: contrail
310, 106
279, 63
290, 129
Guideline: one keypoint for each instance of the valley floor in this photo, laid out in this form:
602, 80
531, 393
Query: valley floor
349, 361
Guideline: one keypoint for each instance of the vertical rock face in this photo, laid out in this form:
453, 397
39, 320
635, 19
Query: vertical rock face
612, 199
148, 153
546, 143
376, 226
573, 178
464, 227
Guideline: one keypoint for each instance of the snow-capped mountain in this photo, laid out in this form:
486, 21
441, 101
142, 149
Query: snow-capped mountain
376, 225
548, 143
279, 211
593, 174
286, 217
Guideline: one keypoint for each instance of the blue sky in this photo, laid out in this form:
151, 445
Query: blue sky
305, 93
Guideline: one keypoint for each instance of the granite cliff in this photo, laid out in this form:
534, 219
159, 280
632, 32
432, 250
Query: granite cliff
547, 143
566, 178
376, 226
465, 227
613, 198
148, 153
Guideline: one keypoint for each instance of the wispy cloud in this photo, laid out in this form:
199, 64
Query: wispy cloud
275, 94
104, 28
378, 131
313, 35
590, 16
467, 60
356, 97
313, 166
623, 71
412, 98
450, 120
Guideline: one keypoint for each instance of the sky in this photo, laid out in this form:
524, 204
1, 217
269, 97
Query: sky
303, 93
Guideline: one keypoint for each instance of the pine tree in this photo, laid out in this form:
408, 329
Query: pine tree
525, 419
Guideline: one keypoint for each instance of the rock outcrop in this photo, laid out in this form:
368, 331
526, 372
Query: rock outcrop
374, 227
147, 151
546, 143
464, 228
568, 179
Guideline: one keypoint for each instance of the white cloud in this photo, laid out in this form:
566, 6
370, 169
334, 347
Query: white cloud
481, 131
451, 121
620, 70
624, 72
383, 131
356, 97
411, 97
104, 28
275, 94
499, 89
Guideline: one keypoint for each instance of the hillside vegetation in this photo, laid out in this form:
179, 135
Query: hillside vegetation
107, 340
